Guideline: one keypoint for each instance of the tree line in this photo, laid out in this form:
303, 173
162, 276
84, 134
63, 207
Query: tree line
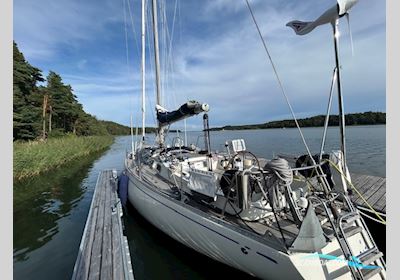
366, 118
48, 107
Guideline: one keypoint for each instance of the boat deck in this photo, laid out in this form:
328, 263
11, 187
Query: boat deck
103, 252
372, 188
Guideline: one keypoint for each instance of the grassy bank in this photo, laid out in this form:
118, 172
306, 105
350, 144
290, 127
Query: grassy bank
32, 158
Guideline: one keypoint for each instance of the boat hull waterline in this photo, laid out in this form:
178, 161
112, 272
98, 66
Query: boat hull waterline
214, 240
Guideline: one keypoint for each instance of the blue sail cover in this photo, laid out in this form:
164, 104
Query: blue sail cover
188, 109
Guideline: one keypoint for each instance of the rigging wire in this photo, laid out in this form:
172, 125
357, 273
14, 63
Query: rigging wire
166, 44
173, 26
126, 35
328, 111
168, 55
134, 35
164, 27
319, 171
279, 80
176, 16
133, 26
167, 66
128, 67
180, 44
152, 66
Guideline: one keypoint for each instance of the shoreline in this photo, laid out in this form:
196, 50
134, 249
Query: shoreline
285, 127
34, 158
365, 118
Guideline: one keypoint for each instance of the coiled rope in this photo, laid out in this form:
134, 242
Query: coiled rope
281, 168
281, 176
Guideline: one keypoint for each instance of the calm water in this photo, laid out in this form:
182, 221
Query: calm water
50, 211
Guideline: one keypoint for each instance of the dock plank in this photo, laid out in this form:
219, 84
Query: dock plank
116, 246
103, 252
372, 188
360, 181
118, 243
106, 260
381, 191
381, 203
95, 262
81, 269
357, 179
368, 185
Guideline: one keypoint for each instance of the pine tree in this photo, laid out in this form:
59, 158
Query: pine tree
65, 109
25, 92
53, 107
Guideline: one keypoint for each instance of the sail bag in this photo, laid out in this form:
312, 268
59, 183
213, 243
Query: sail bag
188, 109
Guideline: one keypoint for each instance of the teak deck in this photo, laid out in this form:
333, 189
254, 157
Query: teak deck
372, 188
104, 252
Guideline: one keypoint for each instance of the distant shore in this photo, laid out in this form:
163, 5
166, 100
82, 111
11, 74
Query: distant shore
367, 118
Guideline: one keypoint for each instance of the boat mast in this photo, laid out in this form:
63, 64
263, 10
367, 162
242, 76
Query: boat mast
184, 121
132, 143
143, 69
340, 97
157, 64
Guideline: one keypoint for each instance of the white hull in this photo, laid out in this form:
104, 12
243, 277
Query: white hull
210, 238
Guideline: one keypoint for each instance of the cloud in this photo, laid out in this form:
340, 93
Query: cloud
233, 72
81, 64
42, 26
217, 57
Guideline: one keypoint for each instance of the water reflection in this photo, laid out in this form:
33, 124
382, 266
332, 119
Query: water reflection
50, 212
41, 201
155, 255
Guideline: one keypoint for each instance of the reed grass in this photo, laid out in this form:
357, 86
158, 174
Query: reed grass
34, 157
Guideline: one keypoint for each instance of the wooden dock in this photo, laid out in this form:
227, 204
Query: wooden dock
104, 252
373, 189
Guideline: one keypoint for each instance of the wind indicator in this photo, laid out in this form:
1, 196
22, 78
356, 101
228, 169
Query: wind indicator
331, 16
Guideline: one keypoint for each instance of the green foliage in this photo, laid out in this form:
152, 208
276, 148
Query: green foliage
26, 116
63, 114
367, 118
57, 133
115, 128
34, 157
64, 106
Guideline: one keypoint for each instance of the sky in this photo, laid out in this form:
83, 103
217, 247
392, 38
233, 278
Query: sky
211, 52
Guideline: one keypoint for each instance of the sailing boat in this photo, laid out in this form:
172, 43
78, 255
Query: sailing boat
249, 212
